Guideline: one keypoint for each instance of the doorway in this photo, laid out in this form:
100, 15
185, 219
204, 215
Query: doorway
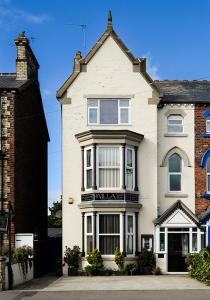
178, 247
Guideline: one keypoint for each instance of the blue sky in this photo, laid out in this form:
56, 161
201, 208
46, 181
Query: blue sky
174, 35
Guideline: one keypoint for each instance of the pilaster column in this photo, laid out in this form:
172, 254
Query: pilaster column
94, 229
124, 233
137, 233
83, 234
123, 167
136, 168
94, 167
82, 169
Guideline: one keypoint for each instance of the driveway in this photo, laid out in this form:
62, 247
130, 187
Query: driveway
114, 283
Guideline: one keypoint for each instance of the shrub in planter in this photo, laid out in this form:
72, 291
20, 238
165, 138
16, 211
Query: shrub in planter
199, 265
146, 261
23, 256
72, 259
95, 262
131, 269
157, 271
119, 259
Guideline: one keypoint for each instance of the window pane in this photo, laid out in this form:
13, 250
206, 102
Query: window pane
194, 242
109, 224
124, 103
109, 156
162, 241
175, 128
208, 126
89, 178
108, 112
124, 115
203, 241
174, 122
92, 103
89, 224
208, 182
130, 224
88, 158
175, 163
93, 115
129, 158
129, 244
208, 165
89, 243
175, 182
146, 243
108, 244
129, 178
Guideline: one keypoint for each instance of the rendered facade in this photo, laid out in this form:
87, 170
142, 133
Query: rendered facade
133, 173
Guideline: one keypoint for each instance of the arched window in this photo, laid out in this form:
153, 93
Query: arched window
175, 173
208, 175
175, 124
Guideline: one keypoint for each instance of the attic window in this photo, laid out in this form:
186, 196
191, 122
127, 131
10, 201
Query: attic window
108, 111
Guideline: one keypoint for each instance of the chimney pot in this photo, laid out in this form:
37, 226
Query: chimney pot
78, 55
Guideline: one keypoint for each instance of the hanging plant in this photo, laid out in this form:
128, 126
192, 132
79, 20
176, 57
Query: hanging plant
23, 256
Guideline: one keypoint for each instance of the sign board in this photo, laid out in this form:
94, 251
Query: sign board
24, 239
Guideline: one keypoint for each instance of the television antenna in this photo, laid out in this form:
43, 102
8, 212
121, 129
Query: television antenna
83, 27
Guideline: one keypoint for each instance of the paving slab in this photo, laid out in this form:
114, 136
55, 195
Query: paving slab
115, 283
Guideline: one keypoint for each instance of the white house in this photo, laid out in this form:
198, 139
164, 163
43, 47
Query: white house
128, 153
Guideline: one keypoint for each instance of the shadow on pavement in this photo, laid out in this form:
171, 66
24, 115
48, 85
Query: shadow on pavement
38, 283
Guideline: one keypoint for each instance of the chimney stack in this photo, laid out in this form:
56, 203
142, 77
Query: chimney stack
77, 60
26, 63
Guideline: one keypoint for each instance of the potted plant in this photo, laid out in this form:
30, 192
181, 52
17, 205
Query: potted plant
72, 259
119, 259
146, 261
95, 263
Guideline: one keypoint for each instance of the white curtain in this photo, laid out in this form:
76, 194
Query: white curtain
109, 167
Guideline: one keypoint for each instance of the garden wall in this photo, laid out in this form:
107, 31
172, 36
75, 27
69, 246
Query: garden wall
18, 276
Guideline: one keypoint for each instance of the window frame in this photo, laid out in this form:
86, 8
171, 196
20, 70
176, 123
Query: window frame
88, 168
175, 173
120, 234
97, 166
207, 175
175, 117
151, 241
207, 122
88, 233
133, 234
118, 111
130, 168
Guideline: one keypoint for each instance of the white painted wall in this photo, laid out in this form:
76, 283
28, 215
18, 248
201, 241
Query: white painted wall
18, 277
109, 72
186, 144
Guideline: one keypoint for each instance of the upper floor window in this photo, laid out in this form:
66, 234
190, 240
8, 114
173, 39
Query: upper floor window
208, 175
88, 167
175, 173
129, 169
108, 111
208, 124
175, 124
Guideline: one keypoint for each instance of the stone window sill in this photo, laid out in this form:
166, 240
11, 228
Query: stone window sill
175, 135
176, 195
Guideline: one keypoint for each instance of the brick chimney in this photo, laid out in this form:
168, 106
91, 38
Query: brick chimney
26, 64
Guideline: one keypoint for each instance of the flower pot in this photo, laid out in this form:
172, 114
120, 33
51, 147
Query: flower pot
72, 271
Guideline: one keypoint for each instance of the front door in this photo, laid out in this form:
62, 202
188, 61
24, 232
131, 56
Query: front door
178, 247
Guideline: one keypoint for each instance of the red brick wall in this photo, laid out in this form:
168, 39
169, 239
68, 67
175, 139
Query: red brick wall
201, 145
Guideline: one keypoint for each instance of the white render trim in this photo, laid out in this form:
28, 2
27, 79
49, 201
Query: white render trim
175, 134
175, 195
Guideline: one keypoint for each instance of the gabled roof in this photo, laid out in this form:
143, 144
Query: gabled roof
140, 63
184, 91
177, 205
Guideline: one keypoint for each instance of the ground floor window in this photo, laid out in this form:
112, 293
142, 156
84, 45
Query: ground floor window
147, 242
109, 233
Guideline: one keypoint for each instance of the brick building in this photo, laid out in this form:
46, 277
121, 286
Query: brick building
24, 141
136, 158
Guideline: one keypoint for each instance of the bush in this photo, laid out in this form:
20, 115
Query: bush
199, 265
119, 259
95, 262
157, 271
72, 257
23, 256
146, 261
131, 268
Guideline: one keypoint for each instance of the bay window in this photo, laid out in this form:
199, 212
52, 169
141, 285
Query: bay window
109, 233
129, 169
89, 232
130, 234
88, 168
109, 167
108, 111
